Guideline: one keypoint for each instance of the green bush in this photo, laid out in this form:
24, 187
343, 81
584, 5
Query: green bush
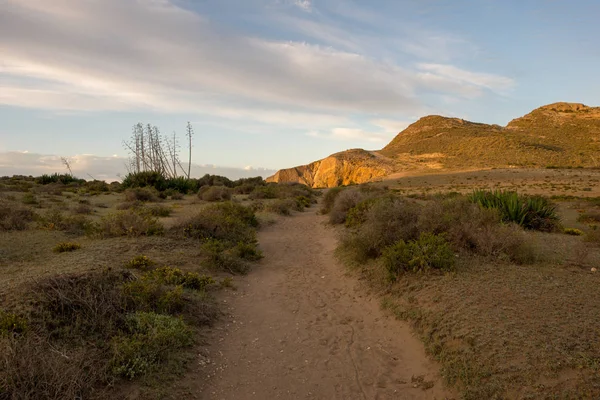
219, 255
530, 212
149, 339
148, 294
11, 324
65, 179
429, 251
573, 232
247, 251
182, 185
141, 263
174, 276
66, 247
145, 179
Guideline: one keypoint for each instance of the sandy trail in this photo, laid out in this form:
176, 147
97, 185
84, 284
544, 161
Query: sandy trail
298, 328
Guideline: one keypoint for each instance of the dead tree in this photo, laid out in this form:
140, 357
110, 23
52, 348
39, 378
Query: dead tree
150, 151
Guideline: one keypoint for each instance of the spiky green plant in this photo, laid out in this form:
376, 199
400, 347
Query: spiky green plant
530, 212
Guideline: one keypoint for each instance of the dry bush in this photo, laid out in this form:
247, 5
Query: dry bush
141, 194
593, 236
85, 331
32, 369
64, 247
229, 222
387, 222
54, 219
284, 206
215, 193
590, 217
475, 229
128, 223
14, 217
83, 208
344, 201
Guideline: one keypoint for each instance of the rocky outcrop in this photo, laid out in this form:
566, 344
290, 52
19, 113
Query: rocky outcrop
345, 168
559, 135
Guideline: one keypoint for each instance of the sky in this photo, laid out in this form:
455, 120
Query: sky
270, 84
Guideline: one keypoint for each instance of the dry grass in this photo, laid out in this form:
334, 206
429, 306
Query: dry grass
36, 366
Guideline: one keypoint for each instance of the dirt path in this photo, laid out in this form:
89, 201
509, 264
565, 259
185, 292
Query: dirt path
298, 328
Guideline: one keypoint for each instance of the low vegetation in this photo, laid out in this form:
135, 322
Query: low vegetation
84, 332
487, 281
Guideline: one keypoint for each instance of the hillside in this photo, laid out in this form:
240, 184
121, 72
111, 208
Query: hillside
559, 134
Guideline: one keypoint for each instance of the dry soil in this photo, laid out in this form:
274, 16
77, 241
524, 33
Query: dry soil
299, 328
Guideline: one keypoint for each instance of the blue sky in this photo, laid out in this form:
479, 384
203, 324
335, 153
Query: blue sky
275, 83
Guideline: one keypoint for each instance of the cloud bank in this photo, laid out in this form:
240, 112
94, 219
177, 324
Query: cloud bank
110, 169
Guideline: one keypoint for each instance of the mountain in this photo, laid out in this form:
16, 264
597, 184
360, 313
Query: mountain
559, 134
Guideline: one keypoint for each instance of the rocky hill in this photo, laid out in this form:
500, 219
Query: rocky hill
560, 134
344, 168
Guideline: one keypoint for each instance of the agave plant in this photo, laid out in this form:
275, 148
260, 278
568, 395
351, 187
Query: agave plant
530, 212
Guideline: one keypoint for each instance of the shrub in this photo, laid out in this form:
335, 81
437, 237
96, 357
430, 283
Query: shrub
283, 206
14, 217
83, 209
141, 194
589, 217
65, 179
214, 193
388, 221
329, 199
149, 338
97, 186
145, 179
247, 251
220, 256
182, 185
157, 210
141, 263
66, 247
357, 215
177, 196
430, 251
346, 200
54, 219
227, 221
12, 324
153, 295
29, 199
573, 232
475, 229
128, 223
175, 276
531, 212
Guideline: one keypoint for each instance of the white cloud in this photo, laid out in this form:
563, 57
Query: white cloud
390, 125
455, 76
153, 55
306, 5
112, 168
351, 134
